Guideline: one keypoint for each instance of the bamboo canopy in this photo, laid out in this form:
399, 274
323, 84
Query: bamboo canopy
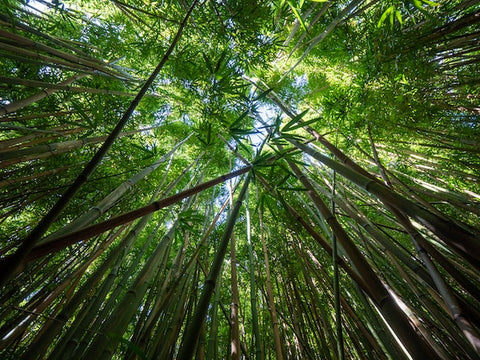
241, 179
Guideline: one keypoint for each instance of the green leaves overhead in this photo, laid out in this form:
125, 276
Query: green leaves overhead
363, 130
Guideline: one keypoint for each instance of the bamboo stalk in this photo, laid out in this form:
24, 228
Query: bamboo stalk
75, 89
461, 240
20, 104
88, 232
191, 334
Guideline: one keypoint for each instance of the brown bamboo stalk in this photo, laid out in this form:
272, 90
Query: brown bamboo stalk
96, 229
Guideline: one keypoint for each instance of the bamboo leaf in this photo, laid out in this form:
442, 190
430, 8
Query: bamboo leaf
208, 63
431, 3
129, 344
302, 124
387, 12
296, 12
263, 94
295, 120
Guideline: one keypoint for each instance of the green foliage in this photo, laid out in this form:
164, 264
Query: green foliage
392, 85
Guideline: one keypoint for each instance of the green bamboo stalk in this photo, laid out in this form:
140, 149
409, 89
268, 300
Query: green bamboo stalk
313, 42
235, 351
253, 288
26, 42
74, 89
16, 23
322, 276
90, 231
11, 157
34, 139
38, 347
336, 289
103, 346
191, 333
20, 104
270, 299
390, 310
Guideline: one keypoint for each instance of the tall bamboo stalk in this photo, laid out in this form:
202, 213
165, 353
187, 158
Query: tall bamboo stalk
190, 338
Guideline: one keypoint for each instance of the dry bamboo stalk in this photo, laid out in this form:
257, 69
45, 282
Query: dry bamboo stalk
20, 104
21, 40
77, 89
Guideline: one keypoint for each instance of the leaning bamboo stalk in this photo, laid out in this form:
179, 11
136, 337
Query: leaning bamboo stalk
369, 281
23, 118
235, 298
30, 140
27, 54
106, 203
19, 330
259, 355
320, 321
20, 104
191, 334
23, 41
78, 338
8, 158
167, 337
18, 180
325, 278
89, 320
74, 89
103, 346
462, 240
269, 290
96, 229
448, 296
9, 266
16, 23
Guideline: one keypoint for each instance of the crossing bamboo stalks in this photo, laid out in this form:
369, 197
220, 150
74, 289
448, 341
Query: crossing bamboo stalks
73, 89
463, 241
8, 158
380, 295
191, 334
26, 42
367, 278
9, 266
17, 23
104, 346
20, 104
88, 232
59, 289
110, 200
36, 138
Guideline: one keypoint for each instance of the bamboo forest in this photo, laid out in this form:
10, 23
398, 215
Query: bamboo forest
239, 179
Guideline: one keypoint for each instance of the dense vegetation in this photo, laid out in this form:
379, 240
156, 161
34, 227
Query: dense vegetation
247, 179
